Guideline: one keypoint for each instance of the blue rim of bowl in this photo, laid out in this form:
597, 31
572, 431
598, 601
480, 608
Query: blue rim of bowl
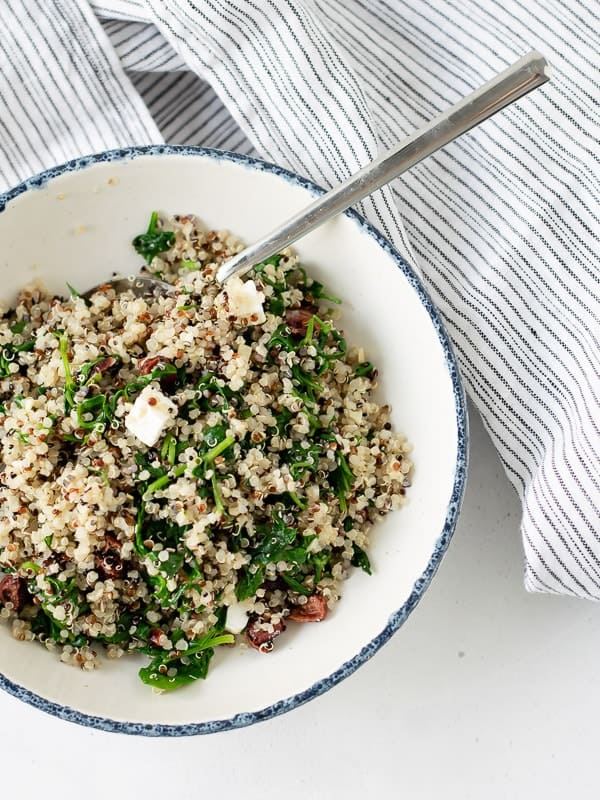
396, 619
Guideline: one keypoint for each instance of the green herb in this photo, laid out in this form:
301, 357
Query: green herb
259, 271
169, 448
31, 565
327, 333
93, 413
172, 451
276, 305
273, 260
140, 383
121, 634
139, 546
281, 339
209, 387
317, 291
282, 420
165, 479
74, 293
363, 369
70, 387
87, 375
295, 584
310, 330
19, 326
361, 559
309, 385
172, 564
297, 501
96, 413
44, 623
249, 583
70, 437
303, 460
320, 334
163, 531
341, 479
348, 524
188, 666
8, 354
102, 474
217, 494
160, 578
319, 562
188, 264
341, 345
213, 435
154, 241
58, 593
277, 537
219, 448
279, 542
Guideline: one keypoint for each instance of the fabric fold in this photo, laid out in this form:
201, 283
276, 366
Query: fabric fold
63, 90
503, 223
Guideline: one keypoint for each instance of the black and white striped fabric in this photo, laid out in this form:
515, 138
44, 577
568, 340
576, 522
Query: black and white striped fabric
502, 224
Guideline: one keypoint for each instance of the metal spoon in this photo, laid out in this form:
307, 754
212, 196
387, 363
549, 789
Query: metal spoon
522, 77
140, 285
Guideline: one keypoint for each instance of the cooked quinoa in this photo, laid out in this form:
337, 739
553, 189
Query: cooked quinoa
185, 470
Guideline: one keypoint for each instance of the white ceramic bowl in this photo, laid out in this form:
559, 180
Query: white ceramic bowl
75, 223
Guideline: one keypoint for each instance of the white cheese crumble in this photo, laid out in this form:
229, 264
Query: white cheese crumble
151, 413
237, 616
245, 299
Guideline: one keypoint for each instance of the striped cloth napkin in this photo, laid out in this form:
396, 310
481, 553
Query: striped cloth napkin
502, 224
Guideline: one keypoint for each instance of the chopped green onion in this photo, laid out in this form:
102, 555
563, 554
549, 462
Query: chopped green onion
217, 494
70, 385
165, 479
301, 505
218, 449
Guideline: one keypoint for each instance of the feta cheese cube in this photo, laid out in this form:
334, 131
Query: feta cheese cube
151, 413
237, 616
245, 299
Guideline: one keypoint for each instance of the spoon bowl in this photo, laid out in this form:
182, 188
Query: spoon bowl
140, 285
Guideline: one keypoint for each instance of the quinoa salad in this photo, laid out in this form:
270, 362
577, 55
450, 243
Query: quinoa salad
187, 471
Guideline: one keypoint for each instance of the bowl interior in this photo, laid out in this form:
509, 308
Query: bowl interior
77, 227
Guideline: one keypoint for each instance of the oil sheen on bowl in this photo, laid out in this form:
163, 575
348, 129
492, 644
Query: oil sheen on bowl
75, 224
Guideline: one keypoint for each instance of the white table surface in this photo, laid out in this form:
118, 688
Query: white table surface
486, 692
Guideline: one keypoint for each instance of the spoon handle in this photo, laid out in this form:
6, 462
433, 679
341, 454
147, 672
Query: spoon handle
522, 77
